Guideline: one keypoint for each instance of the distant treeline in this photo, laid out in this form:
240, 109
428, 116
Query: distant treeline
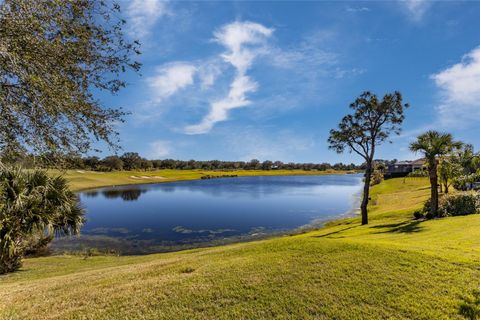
133, 161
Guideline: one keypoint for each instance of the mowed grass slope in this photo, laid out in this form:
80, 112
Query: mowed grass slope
81, 180
394, 268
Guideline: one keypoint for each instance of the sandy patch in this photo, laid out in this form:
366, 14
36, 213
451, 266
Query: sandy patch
148, 177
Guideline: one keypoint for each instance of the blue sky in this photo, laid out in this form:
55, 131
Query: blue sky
268, 80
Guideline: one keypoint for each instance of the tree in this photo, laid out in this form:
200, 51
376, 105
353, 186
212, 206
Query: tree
53, 55
34, 207
448, 170
371, 123
267, 165
92, 162
434, 144
113, 163
131, 160
253, 164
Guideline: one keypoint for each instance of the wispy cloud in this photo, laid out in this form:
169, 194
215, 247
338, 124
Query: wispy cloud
209, 71
244, 42
309, 53
416, 9
460, 90
160, 149
209, 88
143, 14
170, 78
357, 9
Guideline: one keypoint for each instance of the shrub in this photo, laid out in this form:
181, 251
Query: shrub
459, 204
426, 209
418, 215
418, 174
465, 181
33, 208
377, 177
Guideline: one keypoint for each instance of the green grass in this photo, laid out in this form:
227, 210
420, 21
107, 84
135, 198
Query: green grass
80, 179
394, 268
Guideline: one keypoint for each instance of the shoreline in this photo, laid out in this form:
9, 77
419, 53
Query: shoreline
88, 180
62, 246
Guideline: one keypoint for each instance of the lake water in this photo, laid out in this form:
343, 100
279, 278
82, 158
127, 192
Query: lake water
160, 217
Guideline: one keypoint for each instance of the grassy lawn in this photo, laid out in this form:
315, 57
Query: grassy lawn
394, 268
80, 180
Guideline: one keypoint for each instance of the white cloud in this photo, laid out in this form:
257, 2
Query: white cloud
236, 98
416, 9
170, 78
160, 149
208, 72
244, 41
357, 9
460, 90
143, 14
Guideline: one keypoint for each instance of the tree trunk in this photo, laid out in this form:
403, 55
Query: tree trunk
366, 193
432, 170
445, 187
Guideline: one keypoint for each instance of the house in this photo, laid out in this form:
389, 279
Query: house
403, 168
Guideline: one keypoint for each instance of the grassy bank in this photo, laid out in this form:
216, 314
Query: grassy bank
80, 180
394, 268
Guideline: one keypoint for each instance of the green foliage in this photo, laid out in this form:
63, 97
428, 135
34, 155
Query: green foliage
463, 182
448, 170
371, 123
377, 177
433, 144
418, 174
33, 208
459, 204
54, 54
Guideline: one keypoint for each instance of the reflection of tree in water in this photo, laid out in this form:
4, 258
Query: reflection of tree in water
125, 194
90, 194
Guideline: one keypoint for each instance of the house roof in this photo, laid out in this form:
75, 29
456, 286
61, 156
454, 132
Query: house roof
402, 163
420, 161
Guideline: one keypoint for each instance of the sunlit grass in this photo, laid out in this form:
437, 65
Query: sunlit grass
394, 268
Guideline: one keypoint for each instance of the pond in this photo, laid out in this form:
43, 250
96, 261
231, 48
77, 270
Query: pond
168, 216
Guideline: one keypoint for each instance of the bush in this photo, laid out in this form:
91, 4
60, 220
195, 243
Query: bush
418, 174
418, 215
426, 209
377, 177
459, 204
464, 182
34, 207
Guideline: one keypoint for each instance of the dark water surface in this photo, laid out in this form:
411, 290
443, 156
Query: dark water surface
159, 217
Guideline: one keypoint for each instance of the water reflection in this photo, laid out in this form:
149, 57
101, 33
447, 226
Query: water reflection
130, 194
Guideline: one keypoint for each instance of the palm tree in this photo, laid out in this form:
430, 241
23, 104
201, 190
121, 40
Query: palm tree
434, 144
34, 207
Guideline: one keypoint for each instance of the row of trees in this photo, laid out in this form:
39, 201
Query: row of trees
133, 161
